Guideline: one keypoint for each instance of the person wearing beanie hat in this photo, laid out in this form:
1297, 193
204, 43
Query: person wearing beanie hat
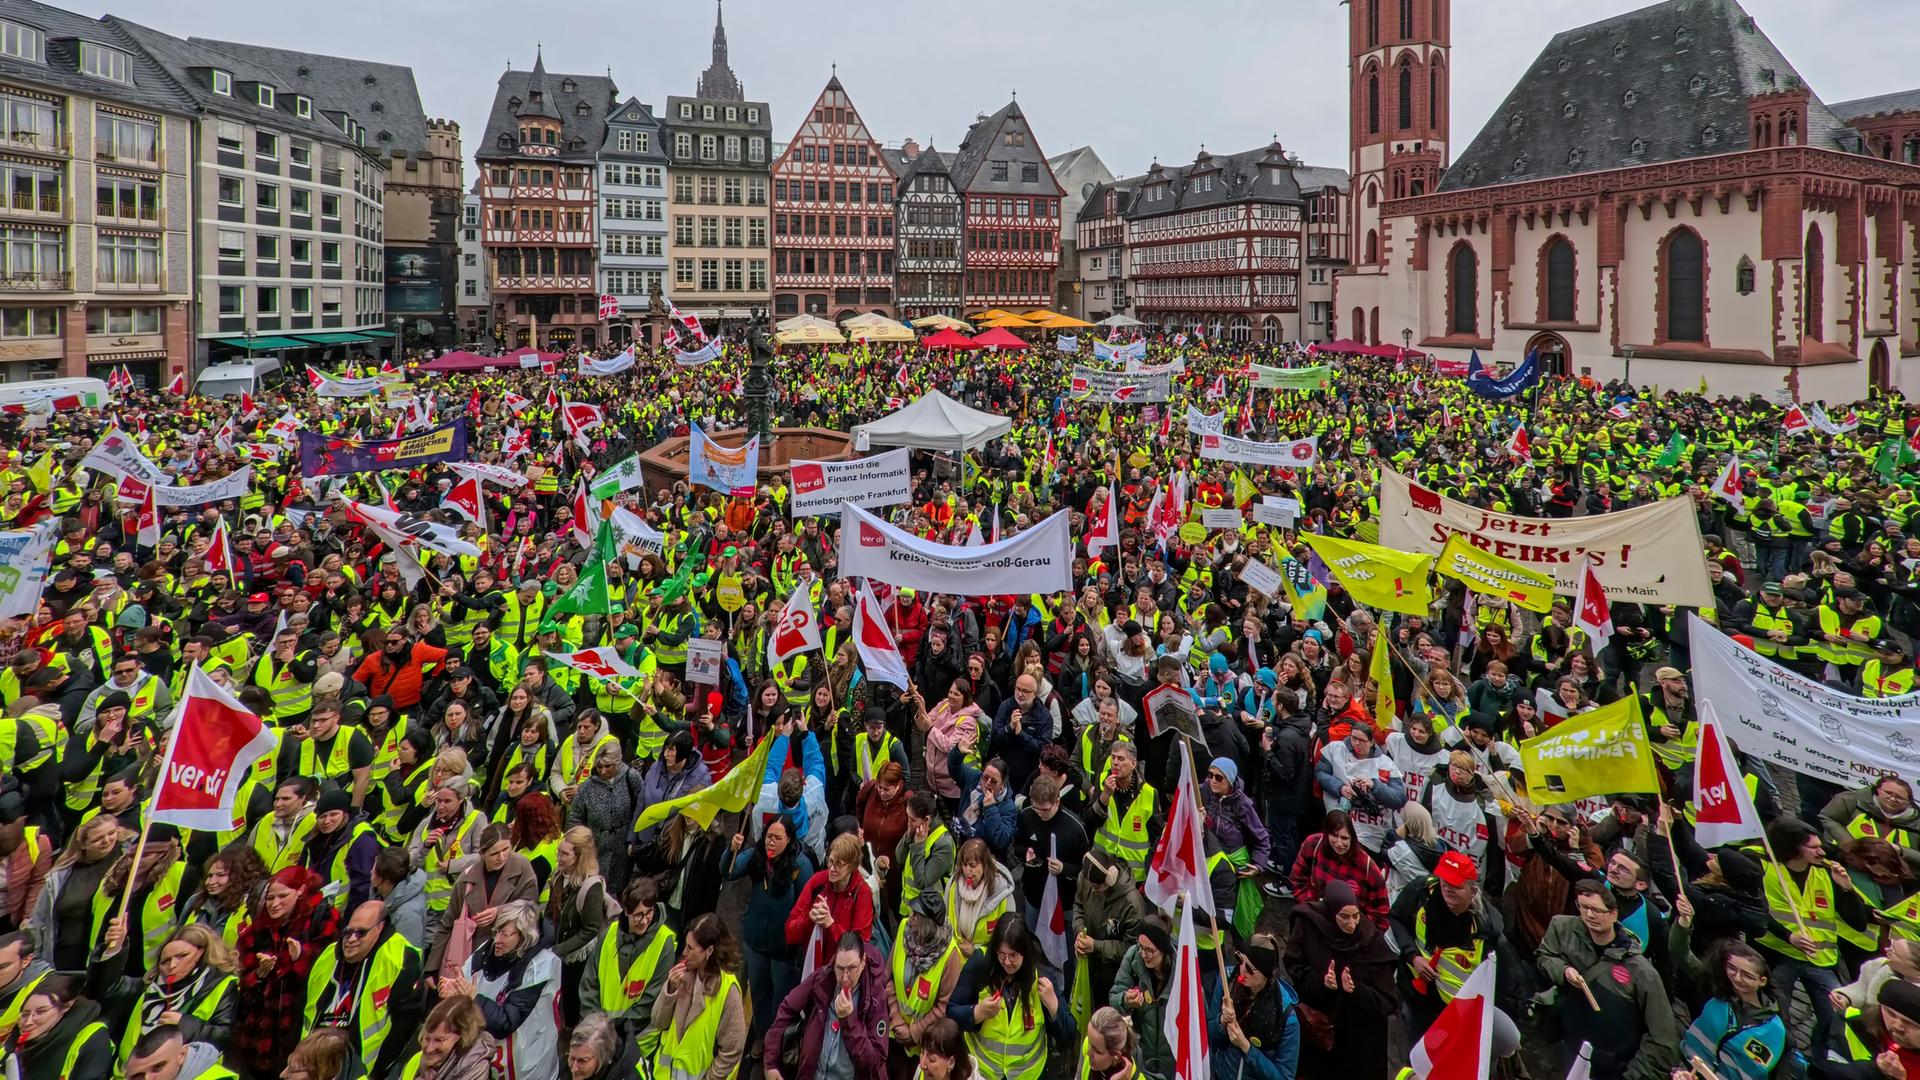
874, 745
341, 850
1258, 1015
1108, 913
1234, 821
1141, 989
927, 961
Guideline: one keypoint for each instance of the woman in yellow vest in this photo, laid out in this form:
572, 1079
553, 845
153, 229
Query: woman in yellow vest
191, 988
1010, 1007
227, 886
156, 899
60, 1034
925, 967
628, 966
979, 895
701, 1014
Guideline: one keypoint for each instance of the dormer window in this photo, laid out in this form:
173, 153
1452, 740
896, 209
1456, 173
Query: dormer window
582, 109
360, 136
378, 106
753, 116
686, 111
568, 86
706, 112
303, 107
104, 63
222, 83
733, 114
25, 42
264, 95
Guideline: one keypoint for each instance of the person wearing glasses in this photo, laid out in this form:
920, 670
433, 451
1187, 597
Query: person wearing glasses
148, 699
368, 985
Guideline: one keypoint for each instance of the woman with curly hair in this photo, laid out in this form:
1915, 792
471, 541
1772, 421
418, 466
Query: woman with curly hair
229, 886
277, 947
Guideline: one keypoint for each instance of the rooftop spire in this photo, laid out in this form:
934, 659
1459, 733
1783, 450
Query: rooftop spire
719, 81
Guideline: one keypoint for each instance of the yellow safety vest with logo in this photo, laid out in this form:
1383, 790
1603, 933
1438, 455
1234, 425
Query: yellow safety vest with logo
916, 996
867, 759
386, 748
278, 854
786, 675
203, 1010
339, 760
411, 792
1810, 906
157, 914
291, 697
46, 732
502, 661
1857, 648
518, 621
439, 890
241, 797
459, 632
570, 767
1865, 826
689, 1053
908, 890
1012, 1044
338, 883
1877, 682
1124, 834
671, 655
983, 927
620, 989
1766, 618
372, 1022
1450, 966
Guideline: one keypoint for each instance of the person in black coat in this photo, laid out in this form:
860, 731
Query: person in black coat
1286, 753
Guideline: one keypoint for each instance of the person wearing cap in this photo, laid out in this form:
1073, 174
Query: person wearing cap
1671, 719
1888, 674
288, 674
1589, 953
618, 695
341, 850
1777, 631
1844, 632
1445, 928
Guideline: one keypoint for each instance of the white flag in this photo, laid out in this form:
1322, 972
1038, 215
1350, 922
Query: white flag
1724, 810
795, 631
1727, 486
878, 652
1591, 612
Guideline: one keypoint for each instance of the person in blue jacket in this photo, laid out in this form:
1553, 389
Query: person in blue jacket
800, 794
1255, 1033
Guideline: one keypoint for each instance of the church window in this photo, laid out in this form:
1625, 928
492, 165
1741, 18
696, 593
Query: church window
1462, 281
1406, 95
1559, 280
1685, 281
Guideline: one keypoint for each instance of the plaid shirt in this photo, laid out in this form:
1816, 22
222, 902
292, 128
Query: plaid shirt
1317, 864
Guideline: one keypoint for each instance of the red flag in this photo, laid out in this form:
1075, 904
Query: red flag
210, 753
1727, 485
1052, 930
219, 557
465, 499
578, 418
178, 386
515, 403
879, 654
553, 400
1105, 531
1593, 614
315, 379
796, 631
1185, 1022
1795, 421
246, 405
386, 366
1459, 1044
1180, 857
147, 522
583, 523
1724, 810
1520, 447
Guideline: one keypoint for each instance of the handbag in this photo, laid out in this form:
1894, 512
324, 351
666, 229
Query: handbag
1315, 1025
459, 945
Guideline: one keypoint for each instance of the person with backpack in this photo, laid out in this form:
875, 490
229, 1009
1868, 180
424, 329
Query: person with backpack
579, 907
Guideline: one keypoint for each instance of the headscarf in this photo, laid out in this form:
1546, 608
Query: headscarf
1364, 944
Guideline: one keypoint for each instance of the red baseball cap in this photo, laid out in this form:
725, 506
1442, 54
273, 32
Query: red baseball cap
259, 598
1456, 869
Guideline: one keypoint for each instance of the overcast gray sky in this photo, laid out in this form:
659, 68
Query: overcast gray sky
1136, 79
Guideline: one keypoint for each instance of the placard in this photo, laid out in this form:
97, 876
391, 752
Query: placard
1278, 512
1261, 578
1222, 518
704, 658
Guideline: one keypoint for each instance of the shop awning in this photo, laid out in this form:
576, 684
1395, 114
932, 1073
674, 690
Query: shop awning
336, 338
262, 344
376, 333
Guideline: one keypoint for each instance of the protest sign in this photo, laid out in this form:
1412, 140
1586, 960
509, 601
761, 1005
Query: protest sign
1221, 518
819, 487
1293, 454
1602, 752
326, 455
1261, 578
1120, 387
1491, 575
1038, 560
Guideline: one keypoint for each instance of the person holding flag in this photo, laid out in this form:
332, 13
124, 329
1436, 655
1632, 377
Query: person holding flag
1608, 992
1257, 1017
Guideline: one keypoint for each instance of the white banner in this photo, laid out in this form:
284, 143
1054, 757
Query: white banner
1138, 366
819, 487
1792, 721
26, 558
1039, 560
1646, 555
701, 355
1294, 454
332, 386
1225, 517
1066, 343
117, 454
1199, 423
230, 486
1126, 388
1136, 350
613, 365
492, 474
633, 535
735, 471
1276, 511
1261, 578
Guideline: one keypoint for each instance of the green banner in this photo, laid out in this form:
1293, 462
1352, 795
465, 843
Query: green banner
1306, 378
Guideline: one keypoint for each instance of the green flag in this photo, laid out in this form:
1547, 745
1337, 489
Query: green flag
588, 595
623, 475
606, 542
1671, 455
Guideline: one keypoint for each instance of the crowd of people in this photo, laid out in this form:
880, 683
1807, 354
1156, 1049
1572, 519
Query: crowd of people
444, 873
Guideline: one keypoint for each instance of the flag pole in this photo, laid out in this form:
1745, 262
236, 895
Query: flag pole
133, 868
1213, 922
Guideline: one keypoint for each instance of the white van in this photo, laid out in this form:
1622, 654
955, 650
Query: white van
240, 376
92, 393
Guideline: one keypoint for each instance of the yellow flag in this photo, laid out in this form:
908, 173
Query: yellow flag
41, 472
1491, 575
1106, 419
1243, 490
736, 791
1376, 576
1381, 670
1603, 752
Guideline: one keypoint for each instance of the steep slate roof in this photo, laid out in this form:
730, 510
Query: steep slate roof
1860, 108
187, 64
1664, 83
1236, 178
597, 91
1316, 177
656, 145
151, 87
927, 161
381, 97
980, 141
1095, 207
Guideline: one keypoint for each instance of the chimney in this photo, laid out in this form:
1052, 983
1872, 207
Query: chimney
910, 149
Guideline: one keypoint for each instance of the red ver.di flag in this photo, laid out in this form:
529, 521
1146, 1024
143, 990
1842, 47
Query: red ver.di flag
212, 749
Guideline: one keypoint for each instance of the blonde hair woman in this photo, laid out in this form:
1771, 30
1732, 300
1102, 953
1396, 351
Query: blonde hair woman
191, 987
579, 908
62, 922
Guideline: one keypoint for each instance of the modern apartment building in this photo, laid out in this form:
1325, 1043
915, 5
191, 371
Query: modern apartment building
633, 214
720, 175
95, 210
288, 213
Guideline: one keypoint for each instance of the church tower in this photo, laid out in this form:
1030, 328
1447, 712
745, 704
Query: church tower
1398, 115
718, 82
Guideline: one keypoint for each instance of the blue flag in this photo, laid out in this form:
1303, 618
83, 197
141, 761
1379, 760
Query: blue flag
1517, 381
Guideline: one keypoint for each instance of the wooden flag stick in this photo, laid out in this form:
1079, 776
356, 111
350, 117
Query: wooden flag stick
1591, 1000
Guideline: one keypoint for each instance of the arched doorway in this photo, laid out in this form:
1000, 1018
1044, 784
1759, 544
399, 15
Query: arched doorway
1555, 357
1359, 326
1270, 330
845, 314
589, 337
1879, 367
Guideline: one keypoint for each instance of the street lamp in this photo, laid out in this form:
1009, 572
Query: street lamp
1406, 338
1626, 374
247, 334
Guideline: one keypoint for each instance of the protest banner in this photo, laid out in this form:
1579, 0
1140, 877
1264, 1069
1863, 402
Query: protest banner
1784, 717
735, 471
325, 385
1602, 752
1304, 378
26, 560
117, 454
1038, 560
819, 487
1293, 454
1120, 387
326, 455
1377, 576
1649, 554
1491, 575
1133, 350
1199, 423
231, 486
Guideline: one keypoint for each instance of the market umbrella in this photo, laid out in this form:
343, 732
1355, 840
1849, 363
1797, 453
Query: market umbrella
949, 339
1054, 320
810, 335
993, 313
999, 337
1011, 322
801, 321
884, 330
940, 322
1120, 320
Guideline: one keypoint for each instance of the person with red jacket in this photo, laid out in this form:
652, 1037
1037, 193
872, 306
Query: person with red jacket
909, 618
396, 666
833, 902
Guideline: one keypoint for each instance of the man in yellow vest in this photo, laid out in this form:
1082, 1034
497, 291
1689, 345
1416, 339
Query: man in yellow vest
1451, 928
281, 836
1125, 814
341, 850
1809, 898
368, 985
1890, 674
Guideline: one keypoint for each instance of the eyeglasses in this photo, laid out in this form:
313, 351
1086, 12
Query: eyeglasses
355, 933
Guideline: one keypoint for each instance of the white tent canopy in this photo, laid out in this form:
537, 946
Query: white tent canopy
934, 422
1120, 321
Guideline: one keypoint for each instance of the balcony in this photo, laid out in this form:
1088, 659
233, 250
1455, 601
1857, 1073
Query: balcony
130, 286
108, 213
102, 152
36, 281
527, 282
36, 206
